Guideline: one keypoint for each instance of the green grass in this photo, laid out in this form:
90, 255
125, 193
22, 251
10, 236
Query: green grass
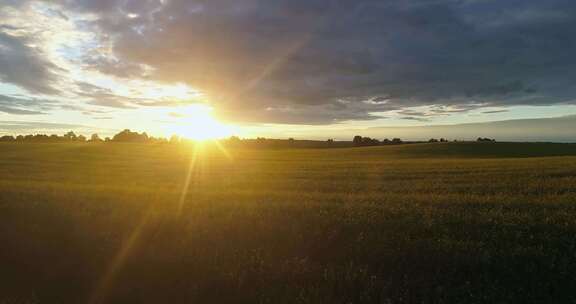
430, 223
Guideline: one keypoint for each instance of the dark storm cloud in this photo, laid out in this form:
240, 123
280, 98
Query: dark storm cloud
321, 61
24, 66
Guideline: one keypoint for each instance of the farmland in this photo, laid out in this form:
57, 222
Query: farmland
421, 223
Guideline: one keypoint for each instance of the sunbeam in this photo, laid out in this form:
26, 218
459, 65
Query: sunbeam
106, 282
191, 175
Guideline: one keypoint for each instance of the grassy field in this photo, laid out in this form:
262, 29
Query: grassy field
422, 223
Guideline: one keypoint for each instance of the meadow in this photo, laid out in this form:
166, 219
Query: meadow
419, 223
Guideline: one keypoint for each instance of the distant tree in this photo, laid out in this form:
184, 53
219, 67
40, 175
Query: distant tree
443, 140
364, 141
95, 138
41, 138
7, 138
174, 139
432, 140
385, 141
70, 136
367, 141
485, 139
129, 136
81, 138
357, 140
330, 140
397, 141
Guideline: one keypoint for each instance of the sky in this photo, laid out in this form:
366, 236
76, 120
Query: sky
312, 69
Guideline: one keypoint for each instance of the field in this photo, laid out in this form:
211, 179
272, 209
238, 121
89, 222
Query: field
422, 223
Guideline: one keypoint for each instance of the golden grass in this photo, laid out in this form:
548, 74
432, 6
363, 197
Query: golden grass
109, 223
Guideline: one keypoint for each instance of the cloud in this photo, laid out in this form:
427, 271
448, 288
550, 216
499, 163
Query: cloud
105, 97
113, 66
301, 114
494, 111
26, 105
32, 127
297, 54
23, 65
16, 111
415, 118
324, 61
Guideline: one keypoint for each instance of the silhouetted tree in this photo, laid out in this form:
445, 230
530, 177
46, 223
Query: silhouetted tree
129, 136
432, 140
365, 141
357, 140
397, 141
70, 136
95, 138
7, 138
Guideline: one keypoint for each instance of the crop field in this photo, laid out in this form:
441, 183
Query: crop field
418, 223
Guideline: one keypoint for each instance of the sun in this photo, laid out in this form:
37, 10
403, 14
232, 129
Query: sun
196, 122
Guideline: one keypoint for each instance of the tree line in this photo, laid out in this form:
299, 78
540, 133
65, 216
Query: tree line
127, 135
360, 141
123, 136
367, 141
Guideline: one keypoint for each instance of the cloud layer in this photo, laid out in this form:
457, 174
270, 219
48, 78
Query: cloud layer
25, 66
315, 61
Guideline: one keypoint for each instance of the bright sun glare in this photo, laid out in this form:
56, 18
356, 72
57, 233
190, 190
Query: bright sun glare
196, 122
